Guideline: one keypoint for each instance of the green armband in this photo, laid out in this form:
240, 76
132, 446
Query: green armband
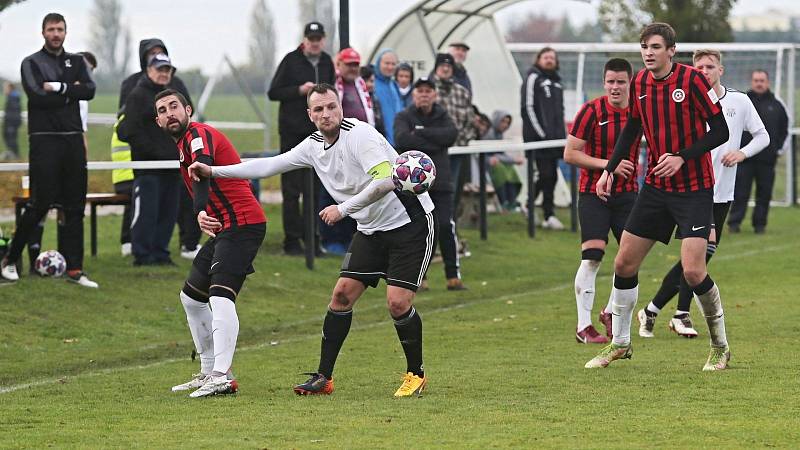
382, 170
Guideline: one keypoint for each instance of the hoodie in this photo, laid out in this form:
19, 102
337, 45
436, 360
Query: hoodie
405, 95
388, 95
145, 45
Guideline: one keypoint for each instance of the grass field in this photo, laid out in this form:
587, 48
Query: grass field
88, 368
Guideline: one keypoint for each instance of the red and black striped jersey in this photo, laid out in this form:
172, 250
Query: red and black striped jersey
599, 123
230, 200
674, 111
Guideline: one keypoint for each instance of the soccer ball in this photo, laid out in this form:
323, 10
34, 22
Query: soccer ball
414, 172
50, 264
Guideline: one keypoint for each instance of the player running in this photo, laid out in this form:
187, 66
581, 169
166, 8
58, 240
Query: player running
673, 103
395, 237
227, 211
740, 115
590, 143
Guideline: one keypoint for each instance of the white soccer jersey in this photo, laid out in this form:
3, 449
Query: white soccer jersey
342, 168
740, 115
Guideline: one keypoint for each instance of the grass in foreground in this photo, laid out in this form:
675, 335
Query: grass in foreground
504, 368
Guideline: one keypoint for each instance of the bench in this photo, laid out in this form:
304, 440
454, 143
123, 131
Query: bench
93, 200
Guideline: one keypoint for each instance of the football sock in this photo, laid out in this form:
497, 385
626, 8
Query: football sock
710, 303
670, 286
225, 331
584, 291
198, 316
679, 313
626, 292
607, 309
409, 330
652, 310
334, 332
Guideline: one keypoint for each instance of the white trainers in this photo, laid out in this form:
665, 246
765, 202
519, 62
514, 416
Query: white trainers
126, 249
646, 324
189, 254
197, 380
81, 279
682, 326
216, 386
9, 271
552, 223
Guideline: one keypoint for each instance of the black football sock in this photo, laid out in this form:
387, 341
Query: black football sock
409, 330
334, 332
670, 286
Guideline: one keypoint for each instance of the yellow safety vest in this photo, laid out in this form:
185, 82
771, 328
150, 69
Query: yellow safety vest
120, 152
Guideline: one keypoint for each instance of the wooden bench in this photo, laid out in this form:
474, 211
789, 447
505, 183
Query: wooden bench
93, 200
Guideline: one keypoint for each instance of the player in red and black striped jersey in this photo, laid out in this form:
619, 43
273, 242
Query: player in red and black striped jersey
590, 144
227, 211
674, 104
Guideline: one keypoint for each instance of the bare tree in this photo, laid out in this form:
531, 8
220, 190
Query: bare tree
262, 39
110, 40
322, 12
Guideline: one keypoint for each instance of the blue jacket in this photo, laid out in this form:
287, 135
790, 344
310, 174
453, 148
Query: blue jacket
388, 96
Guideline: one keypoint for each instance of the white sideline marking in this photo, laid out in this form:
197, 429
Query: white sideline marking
16, 387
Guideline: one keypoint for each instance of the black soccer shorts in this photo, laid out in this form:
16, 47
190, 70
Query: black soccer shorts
656, 213
597, 217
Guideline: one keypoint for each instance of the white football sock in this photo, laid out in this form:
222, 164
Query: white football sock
225, 327
653, 308
711, 305
584, 291
198, 315
607, 309
622, 310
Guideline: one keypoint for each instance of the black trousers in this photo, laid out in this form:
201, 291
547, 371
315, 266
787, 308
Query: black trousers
446, 231
291, 189
546, 184
10, 137
764, 175
58, 177
125, 187
188, 228
155, 201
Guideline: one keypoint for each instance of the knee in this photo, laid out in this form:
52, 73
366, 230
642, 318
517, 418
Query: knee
694, 275
624, 266
341, 300
398, 305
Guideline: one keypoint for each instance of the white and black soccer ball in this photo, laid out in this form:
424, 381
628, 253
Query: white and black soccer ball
414, 172
50, 264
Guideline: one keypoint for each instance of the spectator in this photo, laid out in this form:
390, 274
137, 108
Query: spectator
123, 184
403, 76
297, 73
188, 230
761, 166
368, 75
459, 51
386, 90
542, 99
504, 177
11, 121
57, 154
155, 192
457, 101
426, 126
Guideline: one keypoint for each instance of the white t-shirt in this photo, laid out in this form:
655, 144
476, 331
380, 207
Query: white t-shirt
343, 169
740, 115
83, 106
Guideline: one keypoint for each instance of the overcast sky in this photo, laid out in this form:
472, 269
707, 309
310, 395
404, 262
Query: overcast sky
199, 32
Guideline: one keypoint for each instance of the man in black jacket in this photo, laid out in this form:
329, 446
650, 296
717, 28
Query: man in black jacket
297, 73
426, 126
155, 192
760, 167
189, 231
542, 98
54, 82
11, 121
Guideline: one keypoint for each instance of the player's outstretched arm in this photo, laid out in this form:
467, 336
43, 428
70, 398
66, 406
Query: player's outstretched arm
374, 191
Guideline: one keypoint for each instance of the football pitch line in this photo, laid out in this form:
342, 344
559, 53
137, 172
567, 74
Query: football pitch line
444, 309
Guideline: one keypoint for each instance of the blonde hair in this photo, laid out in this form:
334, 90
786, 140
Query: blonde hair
701, 52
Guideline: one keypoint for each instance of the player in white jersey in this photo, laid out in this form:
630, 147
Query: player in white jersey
395, 237
740, 115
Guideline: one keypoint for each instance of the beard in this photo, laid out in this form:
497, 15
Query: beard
178, 131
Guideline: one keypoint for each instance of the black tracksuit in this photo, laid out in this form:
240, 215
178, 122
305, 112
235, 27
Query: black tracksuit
155, 192
761, 167
293, 126
57, 154
433, 134
542, 110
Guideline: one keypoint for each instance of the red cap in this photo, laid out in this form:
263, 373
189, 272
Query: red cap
348, 55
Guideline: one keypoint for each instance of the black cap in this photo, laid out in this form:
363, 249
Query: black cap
444, 58
160, 60
424, 80
314, 29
